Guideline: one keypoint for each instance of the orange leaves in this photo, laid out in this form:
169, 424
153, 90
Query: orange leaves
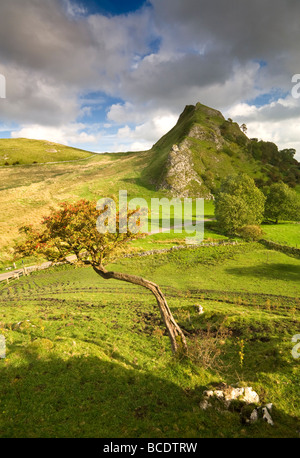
71, 229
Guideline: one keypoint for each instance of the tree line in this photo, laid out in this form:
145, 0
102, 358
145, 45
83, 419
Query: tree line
241, 205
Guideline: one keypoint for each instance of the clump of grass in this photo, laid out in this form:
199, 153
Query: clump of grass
207, 347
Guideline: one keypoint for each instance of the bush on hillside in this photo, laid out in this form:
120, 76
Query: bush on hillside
252, 232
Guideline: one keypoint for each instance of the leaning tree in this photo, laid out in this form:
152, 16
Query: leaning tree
70, 234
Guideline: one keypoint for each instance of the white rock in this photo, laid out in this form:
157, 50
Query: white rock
254, 416
233, 393
250, 396
208, 394
267, 417
246, 395
200, 309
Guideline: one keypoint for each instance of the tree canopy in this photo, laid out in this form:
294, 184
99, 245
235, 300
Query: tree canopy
72, 230
238, 203
282, 203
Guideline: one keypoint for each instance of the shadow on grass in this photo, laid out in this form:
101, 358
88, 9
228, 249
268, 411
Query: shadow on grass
140, 182
83, 396
288, 272
88, 397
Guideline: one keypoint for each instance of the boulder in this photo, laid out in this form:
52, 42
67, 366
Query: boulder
246, 395
243, 400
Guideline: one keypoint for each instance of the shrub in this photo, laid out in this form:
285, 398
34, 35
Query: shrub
227, 151
251, 232
207, 347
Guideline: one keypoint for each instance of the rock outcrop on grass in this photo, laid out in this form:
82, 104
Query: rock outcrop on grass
243, 400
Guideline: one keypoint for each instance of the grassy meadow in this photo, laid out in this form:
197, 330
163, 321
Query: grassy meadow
24, 151
27, 192
284, 233
80, 362
87, 357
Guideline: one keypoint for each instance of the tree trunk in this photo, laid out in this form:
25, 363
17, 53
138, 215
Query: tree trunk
177, 338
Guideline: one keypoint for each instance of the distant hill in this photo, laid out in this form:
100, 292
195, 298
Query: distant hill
24, 151
190, 160
204, 147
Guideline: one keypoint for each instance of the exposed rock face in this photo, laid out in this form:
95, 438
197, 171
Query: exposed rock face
213, 135
197, 153
180, 170
246, 395
181, 177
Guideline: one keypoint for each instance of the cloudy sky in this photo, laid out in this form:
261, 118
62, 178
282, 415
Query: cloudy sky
114, 75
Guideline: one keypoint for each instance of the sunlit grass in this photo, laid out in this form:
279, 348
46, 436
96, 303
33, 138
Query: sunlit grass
88, 357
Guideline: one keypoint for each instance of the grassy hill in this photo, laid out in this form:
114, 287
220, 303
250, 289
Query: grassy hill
87, 357
26, 151
27, 191
209, 148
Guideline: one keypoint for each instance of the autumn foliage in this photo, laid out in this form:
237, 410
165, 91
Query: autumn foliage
71, 230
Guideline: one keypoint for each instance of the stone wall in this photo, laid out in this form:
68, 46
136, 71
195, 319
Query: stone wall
291, 251
180, 247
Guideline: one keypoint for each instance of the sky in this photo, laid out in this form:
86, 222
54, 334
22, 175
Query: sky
112, 75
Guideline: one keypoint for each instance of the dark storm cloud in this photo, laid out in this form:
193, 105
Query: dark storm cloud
50, 56
165, 79
205, 44
173, 53
38, 35
245, 29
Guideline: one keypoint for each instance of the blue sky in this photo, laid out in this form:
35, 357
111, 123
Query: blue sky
112, 7
114, 76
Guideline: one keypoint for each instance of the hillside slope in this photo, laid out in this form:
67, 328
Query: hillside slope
190, 160
27, 191
25, 151
203, 147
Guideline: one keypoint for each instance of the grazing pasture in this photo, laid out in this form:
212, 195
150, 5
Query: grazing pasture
87, 357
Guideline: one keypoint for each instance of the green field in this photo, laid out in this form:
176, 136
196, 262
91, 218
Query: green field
86, 357
27, 192
29, 189
23, 151
283, 233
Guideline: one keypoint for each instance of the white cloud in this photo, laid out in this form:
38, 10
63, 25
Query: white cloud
73, 9
150, 131
50, 59
278, 122
70, 135
53, 53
